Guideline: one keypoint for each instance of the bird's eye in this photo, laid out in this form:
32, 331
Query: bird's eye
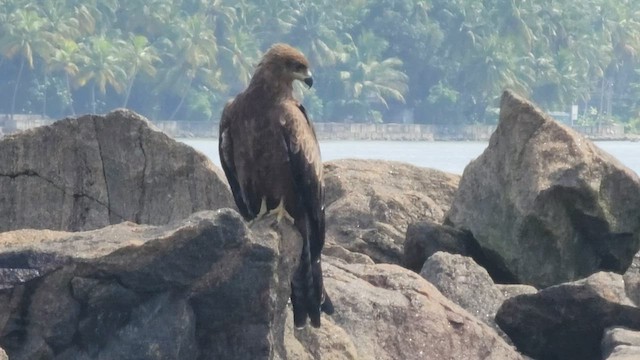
298, 67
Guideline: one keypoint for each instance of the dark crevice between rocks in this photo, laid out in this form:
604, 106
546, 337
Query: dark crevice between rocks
606, 247
489, 260
14, 334
143, 187
20, 267
486, 258
30, 259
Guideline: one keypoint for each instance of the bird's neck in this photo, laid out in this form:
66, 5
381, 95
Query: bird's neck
271, 87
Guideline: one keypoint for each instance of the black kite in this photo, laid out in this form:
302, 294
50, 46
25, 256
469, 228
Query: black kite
271, 157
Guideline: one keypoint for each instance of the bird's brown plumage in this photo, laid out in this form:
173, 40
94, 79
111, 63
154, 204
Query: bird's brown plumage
268, 150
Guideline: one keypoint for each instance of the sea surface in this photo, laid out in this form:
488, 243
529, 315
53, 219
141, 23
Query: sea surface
449, 156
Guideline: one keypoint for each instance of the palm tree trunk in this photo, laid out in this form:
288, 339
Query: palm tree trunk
601, 104
129, 87
15, 89
73, 111
181, 100
93, 99
44, 98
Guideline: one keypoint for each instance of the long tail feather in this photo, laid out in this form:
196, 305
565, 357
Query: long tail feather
326, 305
308, 296
299, 304
302, 291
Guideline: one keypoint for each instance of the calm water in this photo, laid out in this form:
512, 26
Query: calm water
450, 156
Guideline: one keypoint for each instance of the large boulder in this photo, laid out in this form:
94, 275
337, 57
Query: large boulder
370, 203
386, 312
547, 204
466, 283
567, 321
208, 287
88, 172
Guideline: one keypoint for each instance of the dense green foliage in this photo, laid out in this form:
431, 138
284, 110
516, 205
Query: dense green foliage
374, 60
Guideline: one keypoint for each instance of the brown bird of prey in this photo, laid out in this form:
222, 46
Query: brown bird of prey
270, 155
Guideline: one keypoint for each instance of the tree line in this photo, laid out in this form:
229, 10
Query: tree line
443, 61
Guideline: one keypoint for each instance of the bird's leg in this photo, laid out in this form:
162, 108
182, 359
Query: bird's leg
262, 212
281, 212
263, 208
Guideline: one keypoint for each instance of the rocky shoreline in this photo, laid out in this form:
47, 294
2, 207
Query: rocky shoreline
116, 242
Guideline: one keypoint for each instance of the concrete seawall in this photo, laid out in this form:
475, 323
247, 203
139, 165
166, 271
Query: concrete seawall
347, 131
392, 132
352, 131
409, 132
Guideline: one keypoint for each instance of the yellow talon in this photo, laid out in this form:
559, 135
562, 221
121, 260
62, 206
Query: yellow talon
281, 212
262, 212
263, 209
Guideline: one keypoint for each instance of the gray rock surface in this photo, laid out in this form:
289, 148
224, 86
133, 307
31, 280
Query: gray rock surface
621, 344
206, 287
386, 312
209, 287
93, 171
467, 284
350, 257
511, 290
545, 203
567, 321
370, 203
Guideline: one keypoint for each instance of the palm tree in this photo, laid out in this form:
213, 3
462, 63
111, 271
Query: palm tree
25, 36
65, 59
315, 33
239, 47
370, 82
271, 18
104, 13
103, 67
147, 17
240, 53
194, 53
58, 15
139, 56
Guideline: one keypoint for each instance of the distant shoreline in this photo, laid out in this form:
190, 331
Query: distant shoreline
629, 137
327, 131
398, 132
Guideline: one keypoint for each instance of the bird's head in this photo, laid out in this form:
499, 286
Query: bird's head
286, 64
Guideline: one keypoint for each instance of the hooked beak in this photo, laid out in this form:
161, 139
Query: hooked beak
308, 81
